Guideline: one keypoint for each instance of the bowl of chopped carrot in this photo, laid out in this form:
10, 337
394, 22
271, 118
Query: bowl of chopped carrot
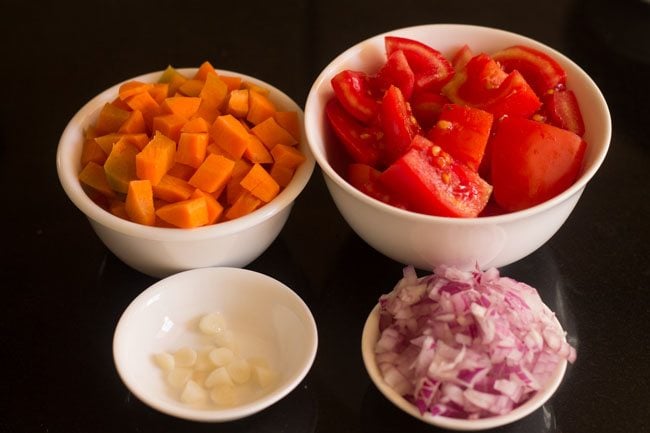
186, 168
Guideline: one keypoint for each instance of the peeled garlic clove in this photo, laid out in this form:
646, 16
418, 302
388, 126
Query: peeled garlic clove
224, 395
239, 370
193, 393
264, 376
218, 377
179, 376
221, 356
164, 360
203, 362
225, 338
185, 357
212, 323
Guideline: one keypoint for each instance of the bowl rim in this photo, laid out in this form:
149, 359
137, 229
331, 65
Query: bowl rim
311, 106
370, 335
214, 274
67, 172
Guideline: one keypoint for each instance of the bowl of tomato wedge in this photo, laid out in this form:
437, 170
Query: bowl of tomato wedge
456, 144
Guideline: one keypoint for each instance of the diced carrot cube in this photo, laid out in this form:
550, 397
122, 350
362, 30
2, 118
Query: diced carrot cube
184, 106
185, 214
282, 174
196, 124
156, 158
131, 88
288, 156
203, 70
191, 87
271, 133
120, 166
233, 188
213, 173
93, 175
214, 207
169, 124
290, 121
110, 119
256, 151
260, 107
91, 151
233, 82
159, 91
214, 93
146, 104
139, 202
260, 183
181, 171
238, 103
245, 204
172, 189
192, 148
230, 135
134, 124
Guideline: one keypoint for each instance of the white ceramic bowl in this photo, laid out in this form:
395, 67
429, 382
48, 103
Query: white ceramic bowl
268, 320
370, 336
163, 251
426, 241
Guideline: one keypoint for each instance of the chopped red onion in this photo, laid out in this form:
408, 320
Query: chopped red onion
467, 344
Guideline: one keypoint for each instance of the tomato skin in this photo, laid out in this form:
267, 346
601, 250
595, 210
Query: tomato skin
397, 123
360, 142
562, 110
541, 71
431, 182
396, 71
353, 92
366, 179
432, 70
463, 132
426, 107
532, 162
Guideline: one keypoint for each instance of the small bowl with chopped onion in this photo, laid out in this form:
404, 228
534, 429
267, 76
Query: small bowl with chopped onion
214, 344
465, 350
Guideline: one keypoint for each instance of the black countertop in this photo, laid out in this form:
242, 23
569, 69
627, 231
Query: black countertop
63, 291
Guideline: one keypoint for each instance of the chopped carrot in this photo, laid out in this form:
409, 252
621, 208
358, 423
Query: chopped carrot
106, 142
231, 81
110, 119
139, 140
156, 158
233, 188
289, 120
172, 189
131, 88
196, 124
238, 103
118, 103
256, 152
181, 171
91, 151
260, 107
203, 70
139, 202
192, 148
94, 176
282, 174
134, 124
271, 133
185, 214
120, 166
184, 106
255, 88
288, 156
191, 87
146, 104
213, 173
214, 93
230, 135
174, 78
118, 208
214, 207
169, 124
245, 204
213, 148
259, 182
159, 91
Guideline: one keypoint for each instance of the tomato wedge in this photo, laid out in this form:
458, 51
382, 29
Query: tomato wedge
353, 92
359, 141
431, 182
539, 69
532, 162
397, 123
432, 70
426, 107
396, 71
562, 110
366, 179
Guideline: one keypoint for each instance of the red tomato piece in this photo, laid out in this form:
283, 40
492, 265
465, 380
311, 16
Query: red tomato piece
396, 71
360, 142
432, 70
426, 107
353, 92
532, 162
540, 71
366, 179
482, 84
397, 123
431, 182
463, 132
562, 110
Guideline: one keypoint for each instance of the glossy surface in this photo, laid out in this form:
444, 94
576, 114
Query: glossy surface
63, 291
426, 241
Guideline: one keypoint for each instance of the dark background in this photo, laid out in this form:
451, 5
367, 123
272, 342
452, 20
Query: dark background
63, 291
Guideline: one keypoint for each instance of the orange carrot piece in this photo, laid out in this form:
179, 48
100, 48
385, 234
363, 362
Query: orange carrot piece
245, 204
290, 121
172, 189
93, 175
139, 203
255, 88
174, 78
213, 173
134, 124
282, 174
233, 82
181, 171
139, 140
230, 135
91, 151
184, 106
260, 107
256, 151
156, 158
233, 188
106, 142
159, 91
120, 166
259, 182
203, 70
214, 207
146, 104
110, 119
196, 124
169, 124
191, 87
118, 208
213, 148
238, 103
215, 92
185, 214
288, 156
131, 88
271, 133
117, 102
192, 148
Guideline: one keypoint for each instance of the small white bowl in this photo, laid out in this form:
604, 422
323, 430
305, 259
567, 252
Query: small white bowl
160, 252
424, 240
267, 318
370, 336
